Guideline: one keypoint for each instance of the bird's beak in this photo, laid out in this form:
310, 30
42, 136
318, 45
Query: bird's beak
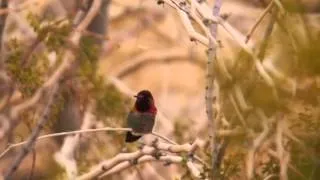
137, 96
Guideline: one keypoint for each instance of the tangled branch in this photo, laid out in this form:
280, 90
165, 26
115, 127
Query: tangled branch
147, 153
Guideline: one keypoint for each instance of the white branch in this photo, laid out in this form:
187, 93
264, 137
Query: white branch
65, 157
147, 153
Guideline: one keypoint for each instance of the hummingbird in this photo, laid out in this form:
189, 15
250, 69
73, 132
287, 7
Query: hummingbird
142, 117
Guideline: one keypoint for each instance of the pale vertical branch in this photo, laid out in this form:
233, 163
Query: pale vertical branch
213, 124
65, 157
281, 152
256, 143
32, 139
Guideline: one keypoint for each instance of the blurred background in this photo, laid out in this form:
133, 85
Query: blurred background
140, 44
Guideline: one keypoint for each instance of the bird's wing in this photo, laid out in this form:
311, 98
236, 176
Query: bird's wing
141, 122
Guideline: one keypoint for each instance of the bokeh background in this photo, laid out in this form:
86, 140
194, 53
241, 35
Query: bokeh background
144, 45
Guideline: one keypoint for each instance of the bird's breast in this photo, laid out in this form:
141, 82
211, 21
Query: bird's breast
141, 122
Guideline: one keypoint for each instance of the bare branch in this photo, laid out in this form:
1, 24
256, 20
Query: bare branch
65, 157
30, 143
147, 158
212, 121
256, 144
147, 153
258, 21
67, 61
104, 129
282, 154
156, 56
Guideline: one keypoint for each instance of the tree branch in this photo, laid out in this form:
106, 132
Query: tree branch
30, 142
147, 153
156, 56
104, 129
213, 124
258, 21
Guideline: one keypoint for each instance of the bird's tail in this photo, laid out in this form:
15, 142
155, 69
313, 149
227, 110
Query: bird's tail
131, 138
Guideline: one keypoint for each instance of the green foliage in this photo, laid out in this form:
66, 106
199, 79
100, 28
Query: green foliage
53, 33
29, 74
55, 111
29, 77
109, 102
88, 58
28, 69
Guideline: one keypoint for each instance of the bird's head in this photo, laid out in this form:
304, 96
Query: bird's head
144, 101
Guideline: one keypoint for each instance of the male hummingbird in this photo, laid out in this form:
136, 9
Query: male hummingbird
141, 118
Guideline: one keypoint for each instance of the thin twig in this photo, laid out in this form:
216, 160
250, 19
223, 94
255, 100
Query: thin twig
259, 20
64, 134
266, 36
155, 56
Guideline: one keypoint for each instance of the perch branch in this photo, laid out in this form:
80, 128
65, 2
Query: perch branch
126, 90
126, 160
147, 158
104, 129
